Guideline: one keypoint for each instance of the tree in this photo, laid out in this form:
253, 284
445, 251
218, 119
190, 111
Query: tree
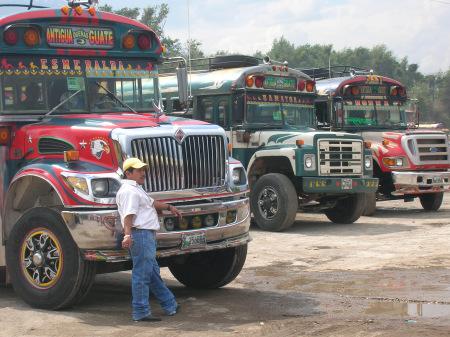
155, 17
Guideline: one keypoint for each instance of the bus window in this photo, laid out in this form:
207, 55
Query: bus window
223, 107
126, 91
19, 93
238, 110
359, 114
206, 111
148, 93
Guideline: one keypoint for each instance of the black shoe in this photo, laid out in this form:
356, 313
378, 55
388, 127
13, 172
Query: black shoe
148, 319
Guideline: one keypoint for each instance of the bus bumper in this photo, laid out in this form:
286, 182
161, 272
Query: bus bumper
98, 233
339, 185
420, 182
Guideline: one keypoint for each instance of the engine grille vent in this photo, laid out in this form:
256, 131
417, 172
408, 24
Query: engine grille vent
196, 163
340, 157
428, 149
49, 145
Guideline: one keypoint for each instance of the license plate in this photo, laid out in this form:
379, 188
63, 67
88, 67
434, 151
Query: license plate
438, 180
193, 240
347, 184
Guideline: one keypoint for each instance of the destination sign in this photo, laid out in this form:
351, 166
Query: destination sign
280, 83
373, 90
80, 37
277, 98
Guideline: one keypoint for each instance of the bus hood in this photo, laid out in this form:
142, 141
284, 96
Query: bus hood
93, 136
289, 138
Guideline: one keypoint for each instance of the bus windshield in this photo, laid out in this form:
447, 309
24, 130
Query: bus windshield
280, 110
77, 91
373, 115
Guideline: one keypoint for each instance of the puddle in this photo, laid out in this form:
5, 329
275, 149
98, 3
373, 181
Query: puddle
428, 310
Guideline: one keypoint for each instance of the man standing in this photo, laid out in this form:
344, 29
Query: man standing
138, 213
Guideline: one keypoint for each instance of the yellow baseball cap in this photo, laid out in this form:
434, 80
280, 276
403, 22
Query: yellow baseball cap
134, 163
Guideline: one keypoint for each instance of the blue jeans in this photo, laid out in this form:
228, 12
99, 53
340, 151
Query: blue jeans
145, 276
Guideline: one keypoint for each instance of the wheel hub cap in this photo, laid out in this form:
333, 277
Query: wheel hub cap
268, 203
38, 259
41, 258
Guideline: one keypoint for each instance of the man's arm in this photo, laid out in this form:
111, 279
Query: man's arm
161, 206
127, 224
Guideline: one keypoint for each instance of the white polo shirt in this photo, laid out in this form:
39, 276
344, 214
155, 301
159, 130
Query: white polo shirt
132, 199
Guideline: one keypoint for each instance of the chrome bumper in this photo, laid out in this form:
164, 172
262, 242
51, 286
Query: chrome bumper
420, 182
98, 233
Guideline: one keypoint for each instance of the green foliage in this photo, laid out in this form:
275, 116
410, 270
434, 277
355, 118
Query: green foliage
433, 91
155, 17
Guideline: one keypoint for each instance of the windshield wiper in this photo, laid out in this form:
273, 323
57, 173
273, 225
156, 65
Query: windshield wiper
117, 99
61, 104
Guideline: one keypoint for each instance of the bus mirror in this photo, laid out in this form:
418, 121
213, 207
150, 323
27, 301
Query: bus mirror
182, 78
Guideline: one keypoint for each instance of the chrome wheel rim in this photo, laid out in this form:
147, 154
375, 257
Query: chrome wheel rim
41, 258
268, 203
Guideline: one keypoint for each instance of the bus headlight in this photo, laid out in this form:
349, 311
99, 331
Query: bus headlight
309, 162
238, 176
104, 187
78, 184
368, 162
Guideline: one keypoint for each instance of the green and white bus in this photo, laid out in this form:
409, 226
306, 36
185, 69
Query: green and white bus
268, 112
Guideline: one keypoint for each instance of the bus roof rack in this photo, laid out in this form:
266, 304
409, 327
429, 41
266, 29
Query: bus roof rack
335, 71
212, 63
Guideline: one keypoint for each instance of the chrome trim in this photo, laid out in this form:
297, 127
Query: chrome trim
356, 163
112, 256
415, 142
407, 182
161, 153
100, 229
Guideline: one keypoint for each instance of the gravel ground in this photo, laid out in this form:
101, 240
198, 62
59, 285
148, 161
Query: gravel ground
386, 275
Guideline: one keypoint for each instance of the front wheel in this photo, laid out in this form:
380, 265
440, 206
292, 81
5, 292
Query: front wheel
347, 210
431, 201
44, 263
210, 270
274, 202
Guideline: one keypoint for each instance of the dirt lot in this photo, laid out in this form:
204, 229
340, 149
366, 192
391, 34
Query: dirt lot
386, 275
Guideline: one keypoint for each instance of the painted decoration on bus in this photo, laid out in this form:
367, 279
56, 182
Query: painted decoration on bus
280, 83
276, 98
107, 68
368, 91
80, 37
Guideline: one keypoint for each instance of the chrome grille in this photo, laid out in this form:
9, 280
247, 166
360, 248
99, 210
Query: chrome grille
428, 149
198, 162
340, 157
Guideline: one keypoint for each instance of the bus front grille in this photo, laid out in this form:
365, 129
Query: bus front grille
198, 162
428, 149
340, 157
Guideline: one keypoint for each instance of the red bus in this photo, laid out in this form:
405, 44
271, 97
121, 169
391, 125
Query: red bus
80, 93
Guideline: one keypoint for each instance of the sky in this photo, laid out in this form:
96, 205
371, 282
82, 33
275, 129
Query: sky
416, 29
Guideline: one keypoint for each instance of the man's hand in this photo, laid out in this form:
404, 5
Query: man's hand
175, 211
127, 242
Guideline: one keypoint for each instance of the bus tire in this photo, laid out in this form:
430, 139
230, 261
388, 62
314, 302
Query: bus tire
274, 202
44, 263
209, 270
347, 210
371, 204
431, 201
